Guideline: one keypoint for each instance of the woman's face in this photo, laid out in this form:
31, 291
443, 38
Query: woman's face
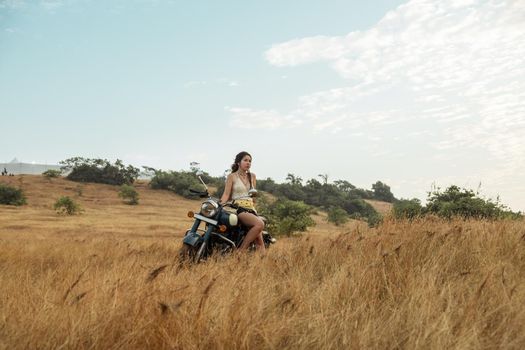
245, 163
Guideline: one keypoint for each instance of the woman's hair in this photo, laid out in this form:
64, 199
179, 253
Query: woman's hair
238, 158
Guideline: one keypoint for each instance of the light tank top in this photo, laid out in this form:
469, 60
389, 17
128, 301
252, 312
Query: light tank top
240, 193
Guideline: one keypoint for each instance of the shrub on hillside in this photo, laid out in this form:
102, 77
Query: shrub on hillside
51, 173
407, 209
361, 210
99, 171
461, 202
382, 192
65, 205
11, 195
361, 193
179, 182
374, 220
129, 194
337, 216
267, 185
285, 216
291, 191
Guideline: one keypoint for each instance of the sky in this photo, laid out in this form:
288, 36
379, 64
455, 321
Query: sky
417, 94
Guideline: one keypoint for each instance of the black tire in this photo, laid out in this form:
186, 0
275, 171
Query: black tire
186, 254
200, 253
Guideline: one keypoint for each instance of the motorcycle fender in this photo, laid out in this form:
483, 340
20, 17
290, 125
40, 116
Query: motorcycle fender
191, 238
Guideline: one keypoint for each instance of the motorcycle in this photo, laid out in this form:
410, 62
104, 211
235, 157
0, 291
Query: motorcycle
223, 232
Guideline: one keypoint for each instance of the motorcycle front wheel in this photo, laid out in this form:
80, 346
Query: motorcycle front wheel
189, 254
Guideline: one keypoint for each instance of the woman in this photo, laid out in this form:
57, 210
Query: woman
237, 186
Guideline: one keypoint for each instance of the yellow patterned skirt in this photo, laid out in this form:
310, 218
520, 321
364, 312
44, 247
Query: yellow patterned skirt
244, 203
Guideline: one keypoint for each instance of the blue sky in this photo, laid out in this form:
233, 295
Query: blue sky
413, 93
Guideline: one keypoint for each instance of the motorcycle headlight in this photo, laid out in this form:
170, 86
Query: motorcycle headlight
209, 208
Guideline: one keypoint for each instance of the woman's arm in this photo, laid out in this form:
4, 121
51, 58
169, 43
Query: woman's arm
227, 189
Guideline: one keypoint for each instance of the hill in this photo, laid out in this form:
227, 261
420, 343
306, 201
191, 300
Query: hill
109, 278
159, 214
383, 208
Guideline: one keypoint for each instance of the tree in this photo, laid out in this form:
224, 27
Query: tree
267, 185
179, 182
456, 201
291, 191
324, 177
344, 185
293, 179
99, 171
382, 192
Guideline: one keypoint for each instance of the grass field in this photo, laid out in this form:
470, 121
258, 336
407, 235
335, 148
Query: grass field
109, 279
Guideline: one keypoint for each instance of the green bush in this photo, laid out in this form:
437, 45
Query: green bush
286, 216
407, 209
129, 194
178, 182
382, 192
291, 191
51, 173
65, 205
374, 220
267, 185
11, 195
465, 203
359, 209
337, 216
99, 171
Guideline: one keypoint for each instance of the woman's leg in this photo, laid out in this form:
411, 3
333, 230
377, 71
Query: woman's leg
255, 233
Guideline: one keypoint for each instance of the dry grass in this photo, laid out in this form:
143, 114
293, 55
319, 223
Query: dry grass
108, 279
383, 208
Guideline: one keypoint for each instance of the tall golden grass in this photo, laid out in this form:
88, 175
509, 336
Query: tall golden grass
94, 282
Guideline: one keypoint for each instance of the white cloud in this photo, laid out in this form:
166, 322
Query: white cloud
456, 67
246, 118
